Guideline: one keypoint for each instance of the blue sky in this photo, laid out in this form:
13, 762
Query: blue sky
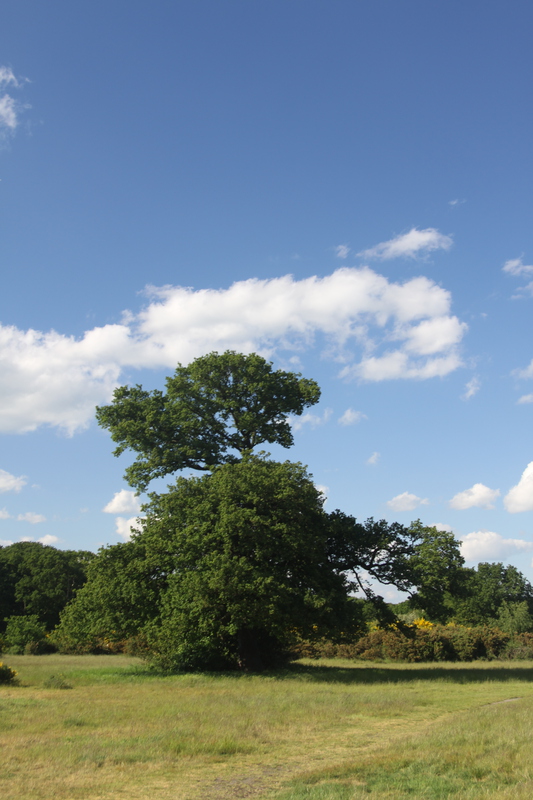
344, 187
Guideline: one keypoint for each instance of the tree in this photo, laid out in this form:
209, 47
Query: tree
437, 571
229, 570
492, 591
214, 410
39, 579
122, 593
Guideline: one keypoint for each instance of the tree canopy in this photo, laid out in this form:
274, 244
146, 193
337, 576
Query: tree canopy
238, 560
214, 410
39, 579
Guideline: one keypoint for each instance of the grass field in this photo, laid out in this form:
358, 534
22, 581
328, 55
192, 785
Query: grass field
329, 730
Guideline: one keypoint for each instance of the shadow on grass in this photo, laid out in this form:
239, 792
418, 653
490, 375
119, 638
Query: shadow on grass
353, 675
406, 674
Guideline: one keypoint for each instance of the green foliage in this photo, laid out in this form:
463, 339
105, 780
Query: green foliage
515, 617
7, 675
216, 407
248, 549
26, 635
492, 590
437, 643
122, 594
39, 580
436, 570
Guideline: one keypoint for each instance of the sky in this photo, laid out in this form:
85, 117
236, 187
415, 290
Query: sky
341, 186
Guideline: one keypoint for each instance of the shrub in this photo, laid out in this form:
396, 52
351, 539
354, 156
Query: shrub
435, 643
7, 675
25, 634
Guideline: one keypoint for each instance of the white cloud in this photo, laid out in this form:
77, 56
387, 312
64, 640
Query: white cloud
490, 546
31, 516
472, 387
9, 483
324, 490
374, 458
456, 202
314, 420
351, 417
527, 372
7, 78
402, 331
48, 539
9, 107
124, 526
4, 513
123, 502
342, 250
406, 502
526, 398
515, 266
408, 245
440, 526
478, 495
5, 542
520, 497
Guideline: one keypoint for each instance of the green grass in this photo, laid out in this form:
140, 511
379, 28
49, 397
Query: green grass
322, 731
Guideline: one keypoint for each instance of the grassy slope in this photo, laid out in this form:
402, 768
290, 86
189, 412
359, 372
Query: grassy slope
339, 730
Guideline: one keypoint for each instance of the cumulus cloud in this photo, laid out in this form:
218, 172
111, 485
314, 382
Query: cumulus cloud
489, 546
406, 502
472, 387
401, 330
314, 420
4, 513
31, 516
5, 542
440, 526
526, 398
374, 458
9, 483
515, 266
48, 539
351, 417
342, 250
520, 497
478, 495
124, 502
124, 526
409, 245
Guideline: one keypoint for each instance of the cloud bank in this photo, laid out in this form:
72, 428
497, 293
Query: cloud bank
380, 330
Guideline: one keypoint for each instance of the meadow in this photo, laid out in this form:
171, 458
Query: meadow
99, 727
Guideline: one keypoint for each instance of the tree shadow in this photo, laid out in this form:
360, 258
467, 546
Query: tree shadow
402, 673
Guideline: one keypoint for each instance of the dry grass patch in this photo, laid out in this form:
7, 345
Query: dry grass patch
123, 731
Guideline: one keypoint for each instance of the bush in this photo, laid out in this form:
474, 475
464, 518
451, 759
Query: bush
25, 634
7, 675
437, 643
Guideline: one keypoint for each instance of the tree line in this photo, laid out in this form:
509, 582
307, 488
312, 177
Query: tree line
233, 566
